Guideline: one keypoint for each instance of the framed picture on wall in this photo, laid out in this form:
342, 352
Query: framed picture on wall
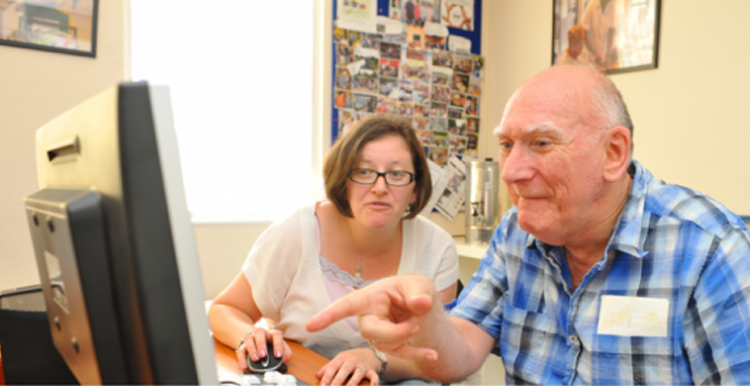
66, 26
612, 35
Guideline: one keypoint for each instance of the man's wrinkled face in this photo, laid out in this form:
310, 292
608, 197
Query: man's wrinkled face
551, 157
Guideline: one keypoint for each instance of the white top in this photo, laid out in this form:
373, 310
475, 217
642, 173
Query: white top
288, 287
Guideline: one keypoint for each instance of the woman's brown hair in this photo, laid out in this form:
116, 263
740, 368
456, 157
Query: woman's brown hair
344, 156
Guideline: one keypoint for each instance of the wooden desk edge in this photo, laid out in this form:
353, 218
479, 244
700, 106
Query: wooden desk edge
303, 365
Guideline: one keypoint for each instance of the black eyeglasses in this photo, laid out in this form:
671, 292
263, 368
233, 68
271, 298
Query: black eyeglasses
392, 178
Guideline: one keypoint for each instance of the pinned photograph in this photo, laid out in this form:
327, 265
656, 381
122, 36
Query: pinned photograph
463, 64
343, 54
405, 109
364, 102
387, 106
347, 119
343, 79
369, 56
457, 99
442, 59
419, 123
405, 90
471, 145
457, 145
437, 124
460, 82
389, 87
371, 40
425, 136
343, 99
354, 38
441, 94
415, 70
471, 105
439, 155
441, 76
440, 139
421, 92
421, 111
457, 126
389, 67
478, 66
416, 53
339, 35
455, 112
429, 11
475, 86
435, 42
399, 38
438, 110
472, 125
390, 50
366, 81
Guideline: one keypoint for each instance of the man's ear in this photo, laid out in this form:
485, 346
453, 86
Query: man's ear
616, 152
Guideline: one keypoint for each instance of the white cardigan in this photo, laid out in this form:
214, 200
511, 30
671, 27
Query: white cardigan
285, 275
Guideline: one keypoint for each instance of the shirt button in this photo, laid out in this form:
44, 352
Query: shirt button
573, 339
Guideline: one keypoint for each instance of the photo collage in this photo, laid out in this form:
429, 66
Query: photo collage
414, 76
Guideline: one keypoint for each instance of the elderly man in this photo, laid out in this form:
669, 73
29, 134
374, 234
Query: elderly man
600, 274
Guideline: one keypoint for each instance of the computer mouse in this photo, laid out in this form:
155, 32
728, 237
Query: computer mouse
267, 363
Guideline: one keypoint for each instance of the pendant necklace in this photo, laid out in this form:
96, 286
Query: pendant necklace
356, 251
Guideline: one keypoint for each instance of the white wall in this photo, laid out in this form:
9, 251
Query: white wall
36, 86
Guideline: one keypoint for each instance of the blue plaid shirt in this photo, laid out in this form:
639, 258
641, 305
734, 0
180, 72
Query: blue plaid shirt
670, 243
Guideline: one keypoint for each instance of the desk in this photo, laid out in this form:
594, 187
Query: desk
303, 365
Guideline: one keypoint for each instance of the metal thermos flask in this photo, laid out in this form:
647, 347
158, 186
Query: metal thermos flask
482, 204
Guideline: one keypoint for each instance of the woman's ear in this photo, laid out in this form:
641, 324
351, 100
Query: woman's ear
617, 144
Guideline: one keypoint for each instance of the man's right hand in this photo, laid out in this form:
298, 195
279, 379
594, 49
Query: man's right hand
390, 312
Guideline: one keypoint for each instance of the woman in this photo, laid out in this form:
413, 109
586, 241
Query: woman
377, 181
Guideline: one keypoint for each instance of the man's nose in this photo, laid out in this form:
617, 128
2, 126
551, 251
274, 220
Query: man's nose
516, 165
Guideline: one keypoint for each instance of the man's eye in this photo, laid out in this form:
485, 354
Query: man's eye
542, 143
506, 145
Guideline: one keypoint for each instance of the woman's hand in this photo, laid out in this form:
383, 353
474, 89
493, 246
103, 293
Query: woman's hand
255, 345
359, 363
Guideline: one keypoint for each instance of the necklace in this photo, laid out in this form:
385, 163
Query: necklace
356, 251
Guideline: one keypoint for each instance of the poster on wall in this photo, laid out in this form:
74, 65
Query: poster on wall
610, 35
58, 26
437, 90
458, 14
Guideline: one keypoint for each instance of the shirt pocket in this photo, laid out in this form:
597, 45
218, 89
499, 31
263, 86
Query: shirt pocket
527, 340
647, 360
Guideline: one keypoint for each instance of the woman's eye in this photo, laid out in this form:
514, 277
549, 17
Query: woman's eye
397, 174
363, 172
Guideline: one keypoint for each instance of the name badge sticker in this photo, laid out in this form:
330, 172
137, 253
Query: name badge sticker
633, 316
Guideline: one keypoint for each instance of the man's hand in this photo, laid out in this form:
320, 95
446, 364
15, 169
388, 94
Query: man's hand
390, 312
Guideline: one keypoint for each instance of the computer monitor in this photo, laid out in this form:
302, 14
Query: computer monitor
115, 246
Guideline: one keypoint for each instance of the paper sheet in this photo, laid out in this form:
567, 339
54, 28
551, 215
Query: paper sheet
453, 195
439, 181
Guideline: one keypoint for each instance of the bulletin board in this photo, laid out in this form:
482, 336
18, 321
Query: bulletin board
416, 73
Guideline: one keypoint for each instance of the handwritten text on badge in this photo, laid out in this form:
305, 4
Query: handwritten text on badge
633, 316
